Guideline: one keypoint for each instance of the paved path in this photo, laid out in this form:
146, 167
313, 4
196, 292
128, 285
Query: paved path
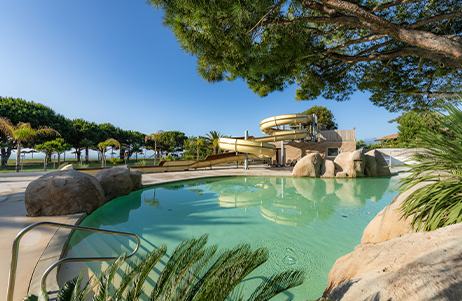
12, 220
13, 217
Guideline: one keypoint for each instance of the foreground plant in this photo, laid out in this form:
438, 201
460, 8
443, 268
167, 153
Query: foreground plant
438, 204
193, 272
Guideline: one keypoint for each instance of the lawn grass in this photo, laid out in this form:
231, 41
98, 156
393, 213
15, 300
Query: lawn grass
33, 165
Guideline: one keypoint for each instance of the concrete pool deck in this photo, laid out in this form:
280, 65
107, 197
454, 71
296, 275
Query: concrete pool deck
34, 253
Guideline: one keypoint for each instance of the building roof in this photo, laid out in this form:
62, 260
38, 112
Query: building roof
389, 137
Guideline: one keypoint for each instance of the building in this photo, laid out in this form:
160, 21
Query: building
328, 143
392, 137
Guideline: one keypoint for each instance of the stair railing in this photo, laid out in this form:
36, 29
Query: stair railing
17, 240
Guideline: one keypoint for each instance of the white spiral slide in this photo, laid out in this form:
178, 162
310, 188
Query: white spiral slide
274, 127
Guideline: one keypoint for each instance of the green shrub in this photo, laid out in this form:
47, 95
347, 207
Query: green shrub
78, 165
193, 272
440, 203
140, 163
115, 160
189, 158
168, 158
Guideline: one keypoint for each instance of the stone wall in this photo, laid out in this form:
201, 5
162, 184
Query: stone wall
297, 150
399, 156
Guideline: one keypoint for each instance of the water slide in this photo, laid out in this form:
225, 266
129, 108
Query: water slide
275, 128
181, 165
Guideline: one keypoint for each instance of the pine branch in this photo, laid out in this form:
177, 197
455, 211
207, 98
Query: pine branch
361, 13
439, 94
456, 15
318, 7
368, 38
375, 47
394, 3
422, 39
273, 8
405, 51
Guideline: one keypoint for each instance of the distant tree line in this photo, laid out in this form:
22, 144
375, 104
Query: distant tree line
410, 127
83, 135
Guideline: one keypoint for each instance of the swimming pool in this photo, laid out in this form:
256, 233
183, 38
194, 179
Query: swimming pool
306, 223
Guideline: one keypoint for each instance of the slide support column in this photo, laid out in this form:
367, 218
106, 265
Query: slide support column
282, 154
246, 161
283, 163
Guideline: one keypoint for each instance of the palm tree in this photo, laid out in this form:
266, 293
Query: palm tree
197, 143
86, 144
155, 137
136, 148
440, 203
22, 133
212, 139
102, 146
193, 272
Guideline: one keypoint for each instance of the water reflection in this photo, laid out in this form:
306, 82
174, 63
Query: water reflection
149, 197
113, 213
298, 201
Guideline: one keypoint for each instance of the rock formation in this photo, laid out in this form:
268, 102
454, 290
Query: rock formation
308, 166
346, 165
63, 192
381, 165
115, 181
136, 175
69, 191
416, 266
350, 164
388, 224
327, 169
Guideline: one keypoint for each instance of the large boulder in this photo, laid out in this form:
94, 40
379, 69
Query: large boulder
115, 181
328, 169
63, 192
350, 164
388, 224
371, 165
308, 166
382, 167
416, 266
136, 176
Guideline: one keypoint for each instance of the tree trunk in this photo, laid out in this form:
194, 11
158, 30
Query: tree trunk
433, 43
86, 155
155, 152
78, 154
18, 156
6, 153
45, 163
122, 153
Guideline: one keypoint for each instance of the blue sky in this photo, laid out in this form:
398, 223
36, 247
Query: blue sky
113, 61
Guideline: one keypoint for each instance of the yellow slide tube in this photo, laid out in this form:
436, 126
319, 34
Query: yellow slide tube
270, 126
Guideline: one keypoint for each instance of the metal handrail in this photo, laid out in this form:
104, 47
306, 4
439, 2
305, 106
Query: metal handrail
15, 250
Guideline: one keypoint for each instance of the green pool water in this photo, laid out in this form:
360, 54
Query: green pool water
305, 223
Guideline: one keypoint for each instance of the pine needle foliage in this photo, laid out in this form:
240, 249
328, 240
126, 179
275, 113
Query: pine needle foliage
193, 272
438, 204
